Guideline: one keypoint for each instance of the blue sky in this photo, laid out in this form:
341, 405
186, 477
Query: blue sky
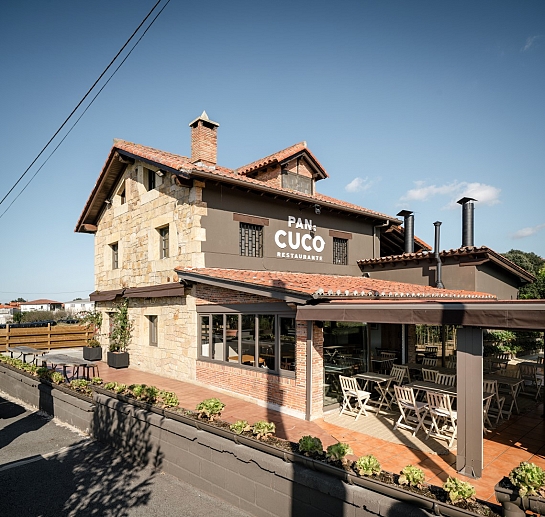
407, 105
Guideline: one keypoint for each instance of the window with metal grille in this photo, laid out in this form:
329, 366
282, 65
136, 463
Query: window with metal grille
251, 240
152, 330
340, 251
163, 242
115, 255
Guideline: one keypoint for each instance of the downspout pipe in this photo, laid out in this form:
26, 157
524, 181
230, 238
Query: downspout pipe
387, 223
439, 280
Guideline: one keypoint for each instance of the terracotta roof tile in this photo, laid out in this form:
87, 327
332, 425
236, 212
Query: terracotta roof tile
458, 252
182, 163
332, 286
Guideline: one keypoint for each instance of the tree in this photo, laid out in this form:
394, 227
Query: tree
535, 265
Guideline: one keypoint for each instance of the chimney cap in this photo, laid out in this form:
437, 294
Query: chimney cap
204, 118
405, 213
465, 200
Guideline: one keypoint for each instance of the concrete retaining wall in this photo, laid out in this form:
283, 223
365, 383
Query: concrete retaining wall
53, 400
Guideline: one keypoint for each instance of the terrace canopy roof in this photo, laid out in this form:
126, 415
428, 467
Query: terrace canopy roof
513, 315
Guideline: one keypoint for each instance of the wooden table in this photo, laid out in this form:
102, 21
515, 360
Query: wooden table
23, 351
513, 383
382, 386
246, 358
65, 360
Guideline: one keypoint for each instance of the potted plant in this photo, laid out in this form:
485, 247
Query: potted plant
120, 336
523, 489
93, 350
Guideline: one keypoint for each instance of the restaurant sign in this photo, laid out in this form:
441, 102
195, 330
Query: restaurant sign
301, 245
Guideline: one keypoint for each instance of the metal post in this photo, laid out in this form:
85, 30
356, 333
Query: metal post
469, 370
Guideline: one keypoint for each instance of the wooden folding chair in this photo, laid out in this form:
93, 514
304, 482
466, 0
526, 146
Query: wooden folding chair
412, 411
354, 398
444, 420
429, 361
429, 375
446, 379
497, 401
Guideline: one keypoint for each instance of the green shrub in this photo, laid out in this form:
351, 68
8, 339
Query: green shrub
528, 478
57, 377
338, 451
310, 445
240, 426
263, 429
115, 387
81, 386
412, 476
168, 398
367, 465
459, 490
97, 381
210, 408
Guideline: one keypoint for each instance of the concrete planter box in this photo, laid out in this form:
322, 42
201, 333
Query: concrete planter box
63, 403
253, 475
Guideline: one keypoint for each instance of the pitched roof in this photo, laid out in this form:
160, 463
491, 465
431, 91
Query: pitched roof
468, 252
279, 157
313, 286
182, 165
41, 301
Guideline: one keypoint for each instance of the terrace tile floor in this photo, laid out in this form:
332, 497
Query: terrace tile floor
521, 438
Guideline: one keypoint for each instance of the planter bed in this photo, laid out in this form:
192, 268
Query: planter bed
263, 477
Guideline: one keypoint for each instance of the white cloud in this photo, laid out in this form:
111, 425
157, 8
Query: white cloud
526, 232
358, 185
530, 42
485, 194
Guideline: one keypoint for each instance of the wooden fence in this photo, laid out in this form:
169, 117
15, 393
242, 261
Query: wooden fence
52, 336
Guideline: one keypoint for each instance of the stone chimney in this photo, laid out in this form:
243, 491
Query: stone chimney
204, 140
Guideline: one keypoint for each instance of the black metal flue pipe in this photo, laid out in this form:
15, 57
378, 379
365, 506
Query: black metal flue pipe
468, 223
408, 229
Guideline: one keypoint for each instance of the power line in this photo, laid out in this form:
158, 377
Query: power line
84, 97
83, 113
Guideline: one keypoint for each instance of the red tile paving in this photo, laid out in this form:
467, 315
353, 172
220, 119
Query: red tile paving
521, 438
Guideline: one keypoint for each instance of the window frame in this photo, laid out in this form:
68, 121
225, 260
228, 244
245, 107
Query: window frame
340, 251
250, 239
164, 242
151, 180
275, 369
153, 332
115, 254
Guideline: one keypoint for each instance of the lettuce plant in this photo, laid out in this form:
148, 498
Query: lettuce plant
459, 490
412, 476
367, 465
310, 445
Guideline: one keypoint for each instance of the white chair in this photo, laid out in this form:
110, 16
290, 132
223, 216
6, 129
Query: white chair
398, 373
451, 361
429, 375
446, 379
529, 373
444, 420
497, 401
354, 398
429, 361
412, 411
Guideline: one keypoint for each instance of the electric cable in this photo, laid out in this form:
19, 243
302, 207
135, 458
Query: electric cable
84, 111
84, 97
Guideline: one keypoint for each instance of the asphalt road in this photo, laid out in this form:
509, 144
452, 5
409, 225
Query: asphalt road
47, 469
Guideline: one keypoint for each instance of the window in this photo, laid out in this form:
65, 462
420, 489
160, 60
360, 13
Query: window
115, 255
150, 179
296, 182
163, 242
251, 240
152, 322
265, 341
340, 251
122, 196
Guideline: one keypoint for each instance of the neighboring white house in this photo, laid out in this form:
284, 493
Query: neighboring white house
41, 305
7, 312
77, 306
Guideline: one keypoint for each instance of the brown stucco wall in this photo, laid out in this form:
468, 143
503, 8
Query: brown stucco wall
221, 247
